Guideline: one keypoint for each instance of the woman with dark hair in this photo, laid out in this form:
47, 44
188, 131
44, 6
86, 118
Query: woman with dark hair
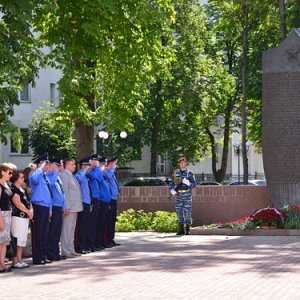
5, 214
21, 214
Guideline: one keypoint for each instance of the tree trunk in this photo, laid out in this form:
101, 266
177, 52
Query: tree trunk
282, 19
158, 104
213, 152
84, 135
244, 78
219, 174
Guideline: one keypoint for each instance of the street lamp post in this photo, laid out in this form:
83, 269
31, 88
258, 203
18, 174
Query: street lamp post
237, 150
104, 135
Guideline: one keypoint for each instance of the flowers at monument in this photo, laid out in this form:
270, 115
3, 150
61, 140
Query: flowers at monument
267, 216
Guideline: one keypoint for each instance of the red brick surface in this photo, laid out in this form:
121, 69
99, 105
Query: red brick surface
210, 203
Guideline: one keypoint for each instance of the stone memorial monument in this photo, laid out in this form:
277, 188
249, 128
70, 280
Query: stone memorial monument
281, 120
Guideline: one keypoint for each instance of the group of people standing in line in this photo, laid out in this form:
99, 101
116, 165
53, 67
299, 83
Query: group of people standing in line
69, 212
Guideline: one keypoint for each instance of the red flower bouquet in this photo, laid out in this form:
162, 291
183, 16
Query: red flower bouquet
267, 216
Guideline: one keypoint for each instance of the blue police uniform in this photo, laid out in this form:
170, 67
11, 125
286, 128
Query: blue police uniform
58, 205
110, 175
42, 204
84, 242
183, 195
100, 198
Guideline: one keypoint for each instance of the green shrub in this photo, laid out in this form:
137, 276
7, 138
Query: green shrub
292, 220
161, 221
143, 220
126, 221
164, 221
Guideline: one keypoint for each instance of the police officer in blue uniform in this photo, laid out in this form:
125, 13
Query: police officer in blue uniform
95, 176
105, 199
41, 199
110, 175
181, 187
58, 205
84, 241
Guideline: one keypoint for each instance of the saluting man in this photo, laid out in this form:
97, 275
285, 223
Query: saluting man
42, 204
110, 175
58, 206
84, 243
181, 187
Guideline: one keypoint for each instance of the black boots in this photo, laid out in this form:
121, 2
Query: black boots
183, 230
187, 229
180, 230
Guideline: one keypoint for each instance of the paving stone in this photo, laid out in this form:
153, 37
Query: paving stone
162, 266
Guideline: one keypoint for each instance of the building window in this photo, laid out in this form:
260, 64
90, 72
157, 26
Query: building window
53, 93
25, 145
24, 94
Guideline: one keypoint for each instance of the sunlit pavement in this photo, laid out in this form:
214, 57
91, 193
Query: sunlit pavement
163, 266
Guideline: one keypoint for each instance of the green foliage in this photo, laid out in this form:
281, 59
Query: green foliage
248, 225
186, 98
52, 133
160, 221
164, 221
19, 57
106, 50
292, 220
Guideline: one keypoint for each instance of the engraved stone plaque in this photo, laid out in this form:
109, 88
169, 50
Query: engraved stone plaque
281, 120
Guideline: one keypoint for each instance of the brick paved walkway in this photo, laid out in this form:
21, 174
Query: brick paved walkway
160, 266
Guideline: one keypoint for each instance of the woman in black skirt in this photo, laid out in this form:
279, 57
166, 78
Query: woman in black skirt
22, 212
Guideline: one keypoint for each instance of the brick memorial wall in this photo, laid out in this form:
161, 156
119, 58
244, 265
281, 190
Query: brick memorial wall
211, 204
281, 120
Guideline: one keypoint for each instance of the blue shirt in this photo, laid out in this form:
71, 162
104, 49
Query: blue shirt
58, 195
84, 186
99, 186
112, 183
40, 187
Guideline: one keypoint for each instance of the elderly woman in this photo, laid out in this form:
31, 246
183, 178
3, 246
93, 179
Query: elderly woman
22, 212
5, 214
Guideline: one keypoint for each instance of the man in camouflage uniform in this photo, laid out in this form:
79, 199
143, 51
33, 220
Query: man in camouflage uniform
181, 188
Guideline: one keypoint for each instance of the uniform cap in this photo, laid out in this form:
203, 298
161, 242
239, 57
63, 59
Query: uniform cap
85, 161
41, 158
55, 161
103, 160
94, 157
112, 159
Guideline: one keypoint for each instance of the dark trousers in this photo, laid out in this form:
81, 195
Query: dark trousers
54, 233
102, 223
99, 221
113, 219
39, 233
94, 221
84, 230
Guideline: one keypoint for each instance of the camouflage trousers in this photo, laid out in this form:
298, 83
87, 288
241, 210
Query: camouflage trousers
184, 207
